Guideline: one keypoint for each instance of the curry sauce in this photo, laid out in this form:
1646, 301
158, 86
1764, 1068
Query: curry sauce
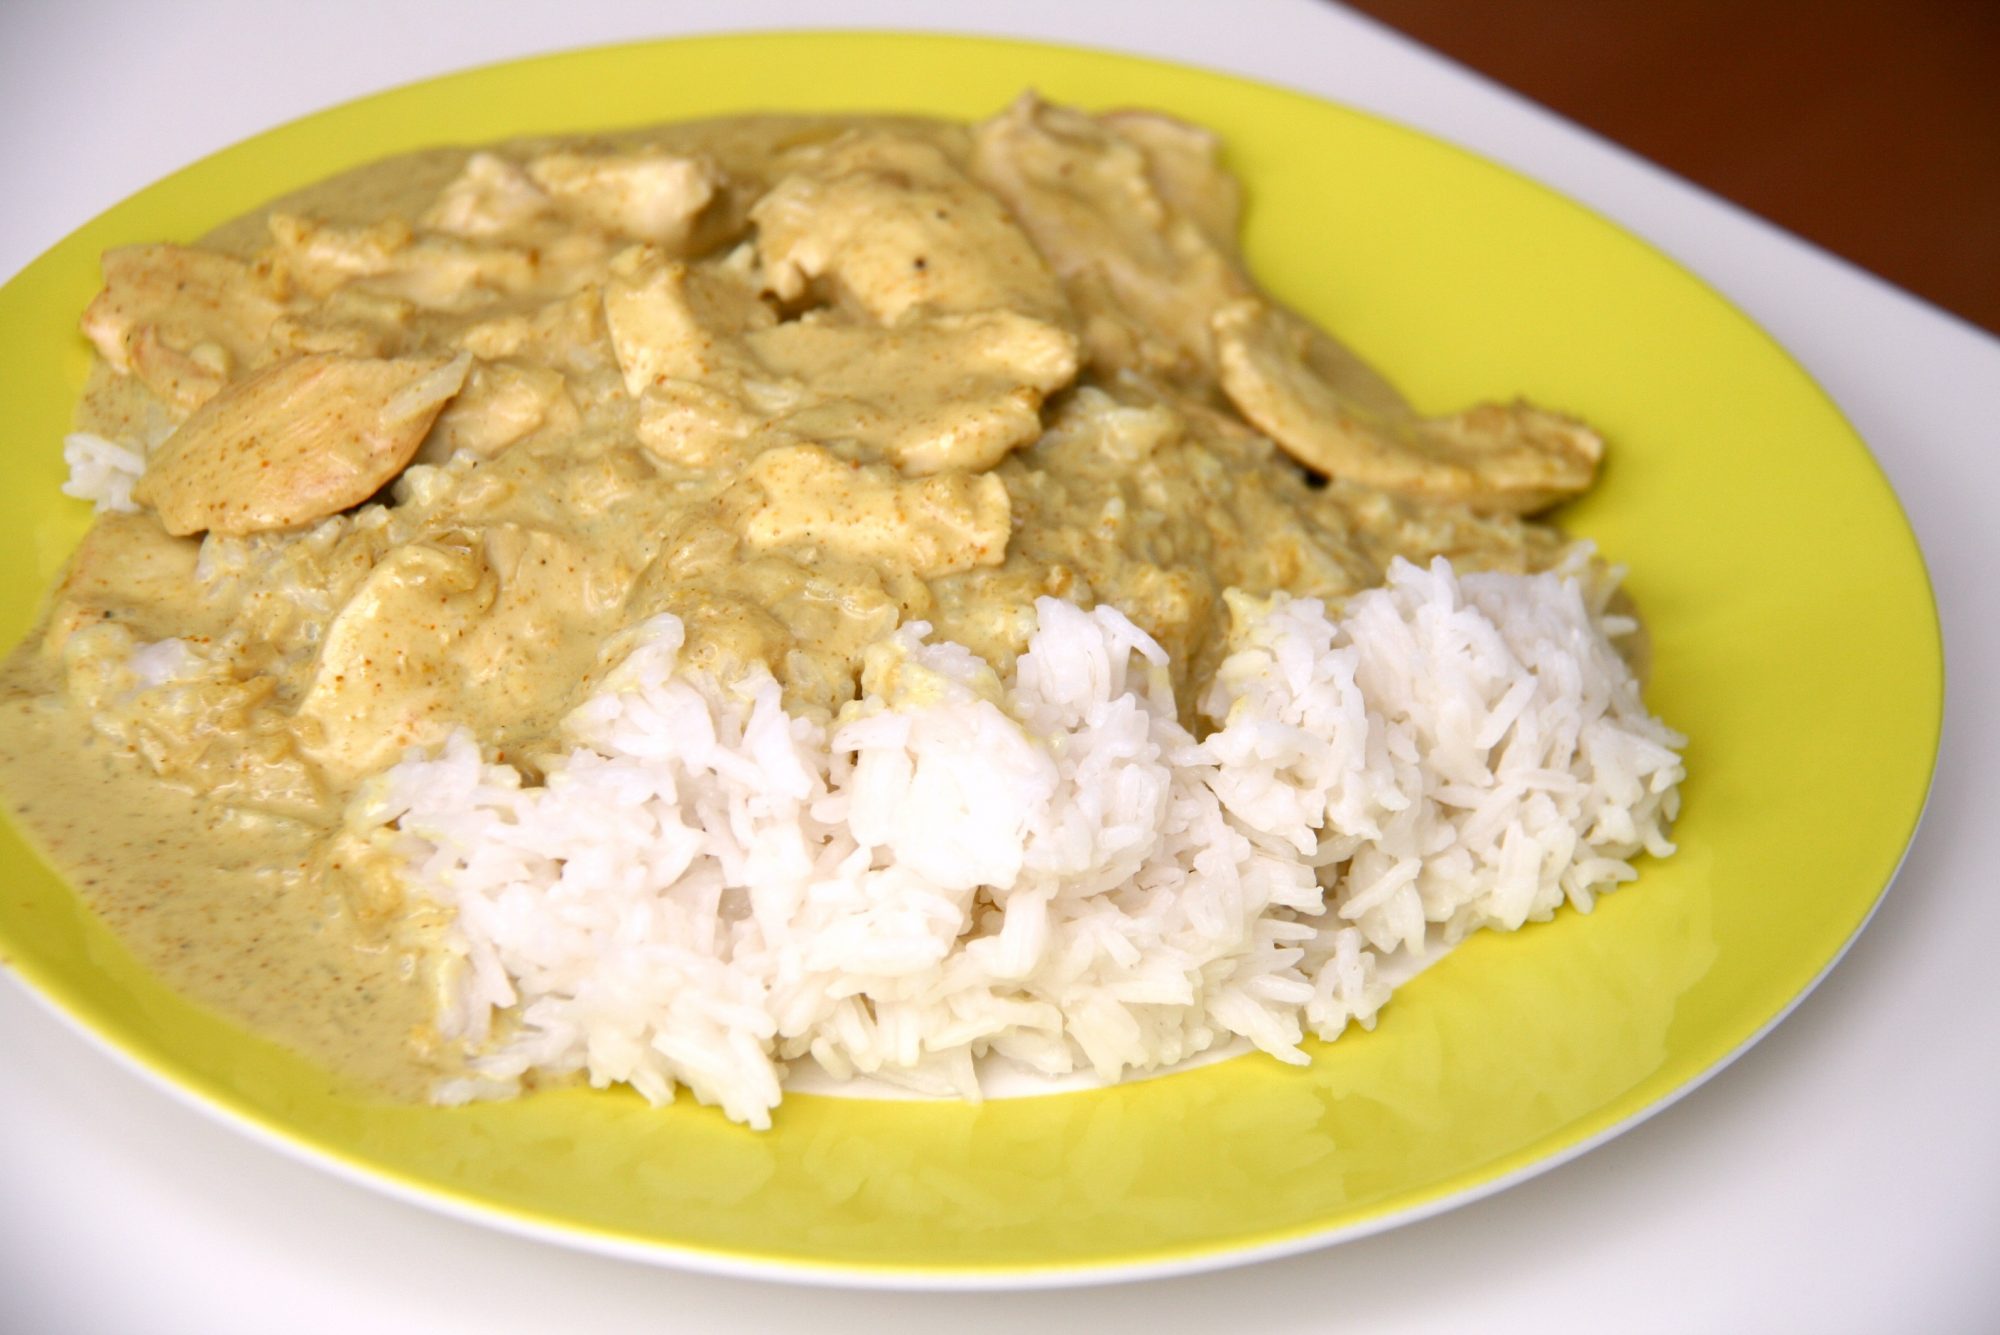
420, 444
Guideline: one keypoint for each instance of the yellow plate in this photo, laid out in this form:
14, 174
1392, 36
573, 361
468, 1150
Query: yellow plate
1795, 642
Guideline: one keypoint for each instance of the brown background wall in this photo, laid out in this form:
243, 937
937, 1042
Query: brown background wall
1872, 129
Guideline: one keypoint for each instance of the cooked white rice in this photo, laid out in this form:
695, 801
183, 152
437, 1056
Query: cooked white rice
1048, 870
101, 471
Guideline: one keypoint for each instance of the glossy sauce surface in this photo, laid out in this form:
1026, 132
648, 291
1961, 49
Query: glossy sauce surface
794, 380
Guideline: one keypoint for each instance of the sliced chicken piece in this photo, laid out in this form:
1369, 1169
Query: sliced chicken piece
183, 379
1136, 263
1333, 414
499, 404
651, 196
710, 365
316, 257
895, 229
386, 678
883, 389
490, 197
678, 334
695, 425
670, 322
568, 333
803, 494
434, 271
183, 320
296, 442
351, 321
530, 655
1185, 163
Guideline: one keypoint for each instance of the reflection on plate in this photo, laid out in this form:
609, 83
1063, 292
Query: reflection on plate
1794, 638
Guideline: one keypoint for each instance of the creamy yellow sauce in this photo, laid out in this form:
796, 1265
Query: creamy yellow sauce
223, 904
422, 441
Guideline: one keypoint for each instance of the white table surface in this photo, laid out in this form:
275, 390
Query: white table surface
1842, 1176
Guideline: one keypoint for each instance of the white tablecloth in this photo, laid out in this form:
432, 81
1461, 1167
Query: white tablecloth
1843, 1176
